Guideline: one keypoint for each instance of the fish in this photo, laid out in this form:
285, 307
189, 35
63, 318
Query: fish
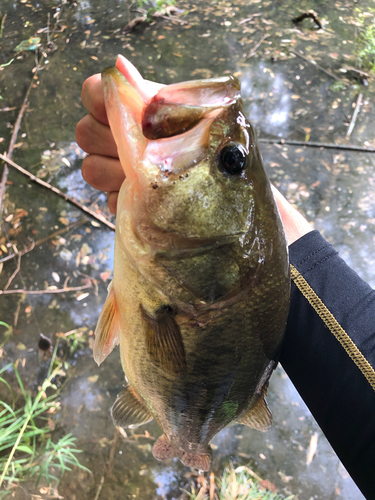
200, 292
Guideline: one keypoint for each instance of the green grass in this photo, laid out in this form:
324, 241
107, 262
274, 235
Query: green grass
236, 484
26, 448
365, 42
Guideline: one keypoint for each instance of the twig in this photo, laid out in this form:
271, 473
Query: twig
254, 49
14, 274
43, 240
99, 488
128, 11
109, 469
62, 231
326, 145
2, 22
2, 110
355, 114
20, 252
40, 292
13, 139
48, 21
65, 196
314, 63
249, 471
212, 486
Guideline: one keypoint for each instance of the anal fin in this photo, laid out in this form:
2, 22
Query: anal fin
259, 417
107, 330
129, 410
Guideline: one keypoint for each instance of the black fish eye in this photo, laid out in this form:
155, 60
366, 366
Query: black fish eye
233, 158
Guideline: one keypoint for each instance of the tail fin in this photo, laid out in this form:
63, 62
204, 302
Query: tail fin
163, 450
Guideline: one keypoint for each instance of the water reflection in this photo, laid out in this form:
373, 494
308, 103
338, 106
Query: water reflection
334, 189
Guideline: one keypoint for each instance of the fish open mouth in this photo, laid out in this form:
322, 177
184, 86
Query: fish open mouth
169, 125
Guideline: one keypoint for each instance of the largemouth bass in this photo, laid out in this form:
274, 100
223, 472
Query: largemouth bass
200, 291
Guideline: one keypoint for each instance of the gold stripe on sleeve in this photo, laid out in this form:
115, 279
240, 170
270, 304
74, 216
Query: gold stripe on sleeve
333, 325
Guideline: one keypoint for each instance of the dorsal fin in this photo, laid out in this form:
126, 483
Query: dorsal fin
107, 330
129, 410
164, 340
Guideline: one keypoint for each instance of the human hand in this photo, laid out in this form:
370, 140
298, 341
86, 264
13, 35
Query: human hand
295, 225
102, 169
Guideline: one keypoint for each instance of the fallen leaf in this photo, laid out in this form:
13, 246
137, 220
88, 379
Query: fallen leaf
268, 485
56, 277
93, 379
64, 221
83, 296
312, 448
66, 254
284, 478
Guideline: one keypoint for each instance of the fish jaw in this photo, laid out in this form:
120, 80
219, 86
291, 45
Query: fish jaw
138, 112
124, 106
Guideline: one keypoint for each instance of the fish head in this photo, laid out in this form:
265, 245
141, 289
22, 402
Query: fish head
193, 170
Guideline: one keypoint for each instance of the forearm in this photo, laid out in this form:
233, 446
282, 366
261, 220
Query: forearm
329, 352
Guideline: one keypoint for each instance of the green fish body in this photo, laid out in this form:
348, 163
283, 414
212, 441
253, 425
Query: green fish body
200, 292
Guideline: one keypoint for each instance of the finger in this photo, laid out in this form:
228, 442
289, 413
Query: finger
112, 198
102, 172
92, 98
95, 138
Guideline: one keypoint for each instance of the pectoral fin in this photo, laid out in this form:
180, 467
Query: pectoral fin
129, 410
107, 330
259, 417
164, 340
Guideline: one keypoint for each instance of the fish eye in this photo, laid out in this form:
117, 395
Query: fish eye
232, 158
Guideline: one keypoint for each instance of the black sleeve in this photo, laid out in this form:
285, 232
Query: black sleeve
329, 352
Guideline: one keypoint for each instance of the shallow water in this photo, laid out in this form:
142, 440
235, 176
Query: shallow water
285, 97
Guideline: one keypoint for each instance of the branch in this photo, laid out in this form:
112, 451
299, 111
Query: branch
326, 145
20, 252
14, 274
7, 109
254, 49
13, 139
355, 114
40, 292
314, 63
65, 196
